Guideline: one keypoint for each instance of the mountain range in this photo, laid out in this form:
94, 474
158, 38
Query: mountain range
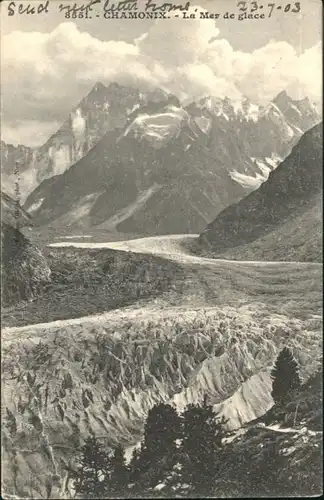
143, 163
116, 330
282, 219
101, 110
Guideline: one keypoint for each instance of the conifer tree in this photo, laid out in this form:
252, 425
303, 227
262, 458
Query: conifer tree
138, 465
161, 430
119, 473
285, 376
159, 448
93, 473
270, 469
202, 440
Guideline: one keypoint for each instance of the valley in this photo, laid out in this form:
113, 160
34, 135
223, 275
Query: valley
100, 326
89, 278
164, 255
186, 326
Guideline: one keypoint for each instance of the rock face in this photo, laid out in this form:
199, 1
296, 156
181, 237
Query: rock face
10, 155
137, 182
165, 168
103, 109
24, 270
13, 214
267, 131
292, 438
282, 219
265, 134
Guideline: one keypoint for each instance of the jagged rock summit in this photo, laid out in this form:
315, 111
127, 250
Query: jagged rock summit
111, 107
102, 109
163, 168
282, 219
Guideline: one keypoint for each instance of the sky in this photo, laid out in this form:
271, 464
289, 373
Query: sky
48, 63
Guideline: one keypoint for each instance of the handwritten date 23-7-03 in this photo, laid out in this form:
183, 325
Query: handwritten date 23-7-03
249, 9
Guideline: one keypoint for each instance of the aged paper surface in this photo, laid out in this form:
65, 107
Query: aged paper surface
161, 243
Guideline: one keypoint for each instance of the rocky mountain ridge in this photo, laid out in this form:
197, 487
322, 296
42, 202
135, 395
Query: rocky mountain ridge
12, 213
291, 199
169, 169
111, 107
103, 109
24, 270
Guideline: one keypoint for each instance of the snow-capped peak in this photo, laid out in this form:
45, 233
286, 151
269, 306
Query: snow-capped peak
229, 109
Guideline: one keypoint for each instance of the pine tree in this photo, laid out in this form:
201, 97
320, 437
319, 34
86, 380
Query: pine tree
136, 467
285, 376
93, 473
254, 471
202, 440
119, 473
159, 448
161, 430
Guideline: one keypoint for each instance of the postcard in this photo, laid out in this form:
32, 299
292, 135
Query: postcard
161, 249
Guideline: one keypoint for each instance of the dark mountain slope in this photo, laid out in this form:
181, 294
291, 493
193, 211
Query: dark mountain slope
10, 156
281, 453
298, 238
24, 269
281, 219
126, 183
13, 214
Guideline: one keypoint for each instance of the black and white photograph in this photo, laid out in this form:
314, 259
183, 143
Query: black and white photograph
161, 249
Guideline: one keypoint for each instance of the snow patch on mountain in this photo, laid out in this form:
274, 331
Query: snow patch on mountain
273, 113
158, 128
79, 129
273, 109
134, 108
78, 123
296, 109
298, 130
246, 109
266, 165
60, 157
35, 206
80, 210
131, 209
273, 161
214, 106
203, 123
247, 181
231, 110
264, 168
